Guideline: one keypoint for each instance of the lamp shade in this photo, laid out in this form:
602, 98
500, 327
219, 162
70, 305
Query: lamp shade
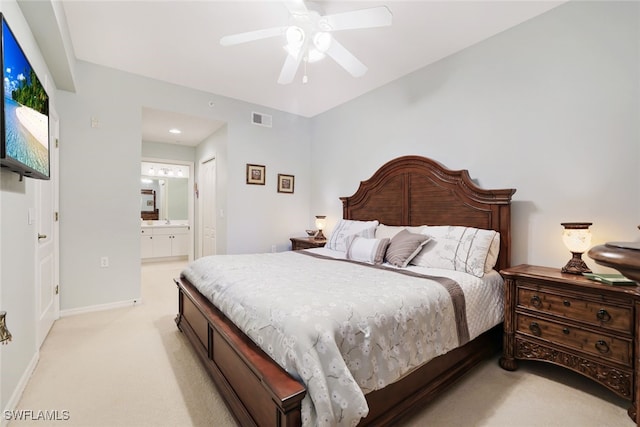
321, 221
576, 236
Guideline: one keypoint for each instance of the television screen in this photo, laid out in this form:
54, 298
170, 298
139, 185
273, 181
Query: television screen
25, 113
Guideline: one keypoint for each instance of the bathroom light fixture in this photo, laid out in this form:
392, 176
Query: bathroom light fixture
321, 222
175, 131
577, 238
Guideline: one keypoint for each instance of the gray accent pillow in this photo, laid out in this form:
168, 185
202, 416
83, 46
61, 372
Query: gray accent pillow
404, 246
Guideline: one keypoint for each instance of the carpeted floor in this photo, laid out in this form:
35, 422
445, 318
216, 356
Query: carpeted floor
131, 367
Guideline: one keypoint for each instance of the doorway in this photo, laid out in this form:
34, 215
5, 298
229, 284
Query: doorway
47, 246
207, 207
167, 216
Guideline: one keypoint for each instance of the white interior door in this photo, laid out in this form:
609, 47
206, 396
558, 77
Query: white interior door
47, 300
207, 194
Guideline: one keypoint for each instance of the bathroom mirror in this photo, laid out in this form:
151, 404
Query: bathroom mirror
164, 189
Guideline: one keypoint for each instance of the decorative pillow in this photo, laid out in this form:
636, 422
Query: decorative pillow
390, 231
366, 250
404, 246
457, 248
492, 257
345, 228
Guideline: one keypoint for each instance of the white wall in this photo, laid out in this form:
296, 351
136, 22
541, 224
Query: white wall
549, 107
100, 175
161, 150
18, 241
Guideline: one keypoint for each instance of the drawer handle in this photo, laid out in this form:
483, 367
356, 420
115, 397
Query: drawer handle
602, 347
535, 329
536, 301
603, 315
565, 331
566, 303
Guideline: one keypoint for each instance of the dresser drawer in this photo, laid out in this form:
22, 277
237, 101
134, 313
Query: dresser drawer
599, 345
600, 314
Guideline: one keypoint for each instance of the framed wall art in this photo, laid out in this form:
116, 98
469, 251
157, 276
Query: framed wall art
285, 183
256, 174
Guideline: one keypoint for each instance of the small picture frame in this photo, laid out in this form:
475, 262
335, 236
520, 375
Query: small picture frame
255, 174
285, 183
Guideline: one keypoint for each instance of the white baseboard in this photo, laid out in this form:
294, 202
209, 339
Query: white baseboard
100, 307
12, 404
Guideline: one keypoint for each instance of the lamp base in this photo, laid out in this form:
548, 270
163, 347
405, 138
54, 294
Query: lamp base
319, 236
576, 265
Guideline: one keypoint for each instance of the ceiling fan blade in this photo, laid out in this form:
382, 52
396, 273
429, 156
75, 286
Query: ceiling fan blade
290, 68
296, 6
364, 18
249, 36
346, 59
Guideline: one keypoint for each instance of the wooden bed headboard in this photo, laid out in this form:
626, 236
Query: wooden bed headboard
414, 190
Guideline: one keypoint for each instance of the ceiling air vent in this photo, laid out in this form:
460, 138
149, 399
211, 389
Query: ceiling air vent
261, 119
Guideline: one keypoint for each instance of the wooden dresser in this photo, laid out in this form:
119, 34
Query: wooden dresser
574, 322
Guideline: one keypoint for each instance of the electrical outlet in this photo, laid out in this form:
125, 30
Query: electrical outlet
104, 262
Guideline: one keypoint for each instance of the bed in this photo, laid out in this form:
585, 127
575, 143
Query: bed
407, 191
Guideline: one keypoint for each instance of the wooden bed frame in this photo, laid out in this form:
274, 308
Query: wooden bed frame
409, 190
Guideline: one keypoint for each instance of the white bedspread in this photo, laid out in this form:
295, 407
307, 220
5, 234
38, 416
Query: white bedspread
343, 329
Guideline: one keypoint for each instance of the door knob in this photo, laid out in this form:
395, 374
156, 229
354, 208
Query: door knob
42, 236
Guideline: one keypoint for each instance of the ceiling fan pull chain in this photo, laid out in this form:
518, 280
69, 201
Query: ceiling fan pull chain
305, 79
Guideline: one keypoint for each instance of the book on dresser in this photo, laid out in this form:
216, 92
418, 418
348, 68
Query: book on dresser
610, 279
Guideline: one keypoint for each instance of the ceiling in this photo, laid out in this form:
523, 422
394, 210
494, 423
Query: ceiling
178, 42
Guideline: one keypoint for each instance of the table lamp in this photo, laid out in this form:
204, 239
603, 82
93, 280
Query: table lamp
577, 238
321, 222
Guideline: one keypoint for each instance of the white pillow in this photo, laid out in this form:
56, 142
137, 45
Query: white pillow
390, 231
345, 228
494, 251
366, 250
457, 248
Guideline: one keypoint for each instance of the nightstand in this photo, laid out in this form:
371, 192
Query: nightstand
298, 243
574, 322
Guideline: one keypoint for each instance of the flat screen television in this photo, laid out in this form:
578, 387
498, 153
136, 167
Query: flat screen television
24, 145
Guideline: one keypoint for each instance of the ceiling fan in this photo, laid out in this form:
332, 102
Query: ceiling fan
308, 37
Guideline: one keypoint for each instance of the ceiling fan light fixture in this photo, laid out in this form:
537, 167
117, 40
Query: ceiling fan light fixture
323, 24
295, 37
322, 41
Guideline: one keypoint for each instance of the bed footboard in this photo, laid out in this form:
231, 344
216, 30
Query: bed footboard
257, 391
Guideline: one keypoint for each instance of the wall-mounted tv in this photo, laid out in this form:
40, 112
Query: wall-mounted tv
24, 133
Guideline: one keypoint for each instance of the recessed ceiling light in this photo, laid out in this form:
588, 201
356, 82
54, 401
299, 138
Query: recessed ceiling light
175, 131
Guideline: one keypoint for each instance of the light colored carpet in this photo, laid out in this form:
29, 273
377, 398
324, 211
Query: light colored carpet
131, 367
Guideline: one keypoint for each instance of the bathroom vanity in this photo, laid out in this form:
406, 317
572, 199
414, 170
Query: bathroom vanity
161, 240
